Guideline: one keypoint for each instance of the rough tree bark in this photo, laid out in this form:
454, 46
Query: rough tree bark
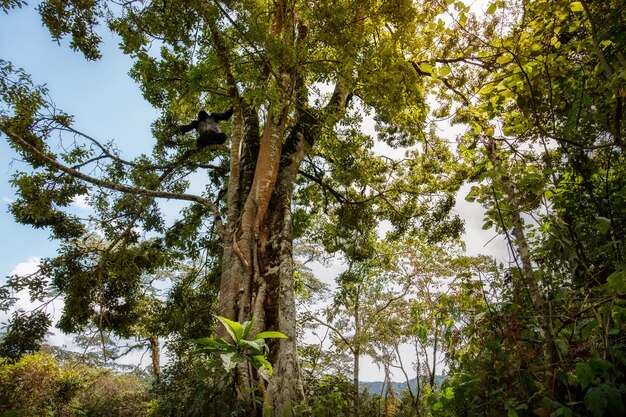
257, 266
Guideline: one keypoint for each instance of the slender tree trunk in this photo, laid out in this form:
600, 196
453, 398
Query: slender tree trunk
515, 216
434, 368
522, 247
357, 353
155, 354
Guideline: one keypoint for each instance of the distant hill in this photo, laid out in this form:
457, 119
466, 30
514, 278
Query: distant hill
376, 387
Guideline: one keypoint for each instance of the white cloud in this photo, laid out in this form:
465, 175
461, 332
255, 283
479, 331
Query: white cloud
24, 303
23, 300
27, 267
81, 202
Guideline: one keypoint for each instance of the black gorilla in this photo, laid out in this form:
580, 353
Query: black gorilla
206, 126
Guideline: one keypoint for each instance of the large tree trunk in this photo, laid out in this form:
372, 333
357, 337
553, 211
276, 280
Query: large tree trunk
257, 266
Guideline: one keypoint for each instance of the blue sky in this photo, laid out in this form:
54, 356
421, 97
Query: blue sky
106, 104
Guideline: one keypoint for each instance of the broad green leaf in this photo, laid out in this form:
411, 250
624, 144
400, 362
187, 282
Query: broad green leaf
270, 335
425, 67
486, 89
247, 326
263, 366
492, 8
209, 341
576, 6
230, 360
606, 43
262, 360
564, 412
584, 374
234, 328
256, 344
503, 59
599, 399
617, 282
462, 19
211, 349
443, 71
264, 373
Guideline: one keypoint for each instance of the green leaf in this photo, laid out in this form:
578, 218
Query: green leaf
208, 341
263, 366
512, 413
230, 360
576, 6
257, 344
595, 401
425, 68
234, 328
492, 8
211, 349
462, 19
584, 374
617, 282
503, 59
264, 373
262, 361
443, 71
247, 326
605, 398
564, 412
270, 335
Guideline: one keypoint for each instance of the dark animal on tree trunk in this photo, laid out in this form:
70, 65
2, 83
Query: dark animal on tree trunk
206, 126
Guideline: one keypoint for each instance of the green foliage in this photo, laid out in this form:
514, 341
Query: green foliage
241, 350
539, 87
6, 5
191, 386
77, 18
25, 333
37, 386
332, 395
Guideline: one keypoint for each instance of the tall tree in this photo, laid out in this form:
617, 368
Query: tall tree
298, 75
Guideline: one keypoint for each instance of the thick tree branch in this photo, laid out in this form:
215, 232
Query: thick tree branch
340, 198
115, 186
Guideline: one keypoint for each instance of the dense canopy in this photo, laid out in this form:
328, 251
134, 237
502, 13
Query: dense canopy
339, 152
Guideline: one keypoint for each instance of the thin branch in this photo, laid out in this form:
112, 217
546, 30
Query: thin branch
336, 331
